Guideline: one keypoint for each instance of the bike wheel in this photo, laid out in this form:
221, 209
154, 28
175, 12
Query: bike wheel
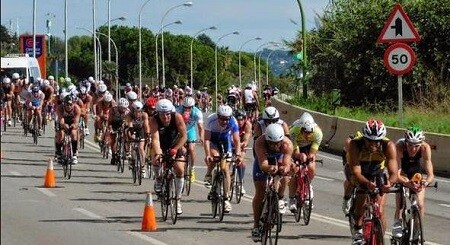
299, 203
81, 134
307, 205
164, 197
238, 190
133, 170
233, 181
118, 155
222, 195
173, 201
277, 220
138, 167
187, 181
416, 228
69, 159
213, 195
35, 131
376, 234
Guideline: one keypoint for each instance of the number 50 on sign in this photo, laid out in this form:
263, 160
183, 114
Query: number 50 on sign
399, 58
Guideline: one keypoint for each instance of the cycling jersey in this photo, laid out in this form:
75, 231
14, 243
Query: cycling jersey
248, 96
272, 157
169, 135
221, 134
68, 116
410, 165
372, 163
118, 117
306, 142
138, 126
195, 117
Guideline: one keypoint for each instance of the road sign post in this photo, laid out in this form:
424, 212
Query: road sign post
399, 58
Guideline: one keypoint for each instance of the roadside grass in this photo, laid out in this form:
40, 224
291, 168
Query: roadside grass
436, 120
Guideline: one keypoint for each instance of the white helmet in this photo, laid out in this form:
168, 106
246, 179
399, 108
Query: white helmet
15, 75
137, 105
164, 105
67, 79
102, 88
306, 122
101, 82
132, 95
90, 79
274, 133
63, 95
6, 80
224, 111
51, 77
123, 103
169, 92
188, 101
46, 83
270, 113
83, 90
108, 97
71, 88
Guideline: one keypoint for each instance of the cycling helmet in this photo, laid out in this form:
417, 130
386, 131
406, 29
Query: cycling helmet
90, 79
83, 90
46, 83
15, 75
414, 135
306, 122
188, 90
101, 82
137, 105
132, 95
35, 89
188, 102
71, 88
164, 105
6, 80
68, 99
224, 111
374, 130
274, 133
168, 92
239, 114
123, 103
151, 102
108, 97
68, 79
248, 86
63, 95
102, 88
51, 78
270, 113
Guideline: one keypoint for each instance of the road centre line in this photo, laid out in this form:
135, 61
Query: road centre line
15, 173
88, 213
445, 205
46, 192
146, 238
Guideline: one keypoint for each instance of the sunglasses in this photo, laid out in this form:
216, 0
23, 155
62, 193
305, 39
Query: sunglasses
413, 145
305, 131
224, 119
373, 141
270, 121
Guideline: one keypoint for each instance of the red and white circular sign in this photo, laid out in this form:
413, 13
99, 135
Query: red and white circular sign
399, 58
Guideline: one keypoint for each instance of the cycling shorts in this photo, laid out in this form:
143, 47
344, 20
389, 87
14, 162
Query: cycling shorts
250, 107
191, 135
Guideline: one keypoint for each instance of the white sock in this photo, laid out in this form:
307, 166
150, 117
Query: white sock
179, 182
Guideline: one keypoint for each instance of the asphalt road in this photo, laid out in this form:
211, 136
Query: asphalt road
99, 205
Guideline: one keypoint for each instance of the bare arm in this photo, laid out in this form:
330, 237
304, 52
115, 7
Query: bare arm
155, 137
391, 161
427, 164
181, 127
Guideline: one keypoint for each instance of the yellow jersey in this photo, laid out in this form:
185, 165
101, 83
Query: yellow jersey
306, 142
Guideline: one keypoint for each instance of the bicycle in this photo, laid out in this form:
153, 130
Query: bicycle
81, 133
34, 127
270, 221
168, 195
303, 198
104, 148
135, 161
120, 152
188, 170
236, 181
67, 154
217, 194
411, 220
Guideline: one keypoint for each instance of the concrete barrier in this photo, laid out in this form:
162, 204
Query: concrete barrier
336, 129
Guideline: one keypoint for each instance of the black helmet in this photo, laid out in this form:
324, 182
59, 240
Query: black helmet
239, 114
68, 99
35, 89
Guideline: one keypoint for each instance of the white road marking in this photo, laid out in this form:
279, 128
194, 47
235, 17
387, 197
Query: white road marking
445, 205
323, 178
15, 173
88, 213
146, 238
46, 192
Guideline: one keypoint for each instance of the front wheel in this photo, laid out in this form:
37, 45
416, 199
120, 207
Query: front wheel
376, 235
416, 228
308, 201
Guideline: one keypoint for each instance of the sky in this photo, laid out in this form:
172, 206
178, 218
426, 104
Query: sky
272, 20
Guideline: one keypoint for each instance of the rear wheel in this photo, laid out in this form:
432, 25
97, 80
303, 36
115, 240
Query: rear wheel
376, 237
222, 195
164, 198
307, 205
138, 167
173, 201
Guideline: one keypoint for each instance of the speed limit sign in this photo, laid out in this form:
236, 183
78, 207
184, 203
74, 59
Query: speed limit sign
399, 58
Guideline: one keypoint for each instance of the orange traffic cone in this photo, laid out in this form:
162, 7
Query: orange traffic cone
149, 219
50, 176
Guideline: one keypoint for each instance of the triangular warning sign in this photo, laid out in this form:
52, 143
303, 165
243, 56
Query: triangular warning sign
398, 28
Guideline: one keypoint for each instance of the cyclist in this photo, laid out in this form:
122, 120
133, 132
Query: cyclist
116, 119
48, 91
369, 157
68, 118
251, 102
267, 93
150, 106
86, 98
348, 184
306, 136
168, 134
132, 97
413, 156
193, 118
8, 89
221, 129
34, 103
18, 85
273, 155
137, 128
102, 109
245, 132
232, 97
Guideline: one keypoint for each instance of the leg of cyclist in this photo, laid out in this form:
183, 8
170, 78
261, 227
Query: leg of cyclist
259, 181
97, 127
142, 155
192, 156
179, 177
74, 141
348, 187
59, 136
293, 188
111, 139
38, 113
397, 226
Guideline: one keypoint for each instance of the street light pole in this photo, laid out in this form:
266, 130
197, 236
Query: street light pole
267, 67
187, 4
66, 40
240, 48
192, 42
99, 53
117, 64
109, 30
256, 51
94, 38
305, 57
140, 48
259, 61
179, 22
215, 57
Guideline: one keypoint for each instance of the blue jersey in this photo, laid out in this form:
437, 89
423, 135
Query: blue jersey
195, 117
219, 133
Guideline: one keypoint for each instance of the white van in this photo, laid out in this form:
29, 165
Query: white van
26, 66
